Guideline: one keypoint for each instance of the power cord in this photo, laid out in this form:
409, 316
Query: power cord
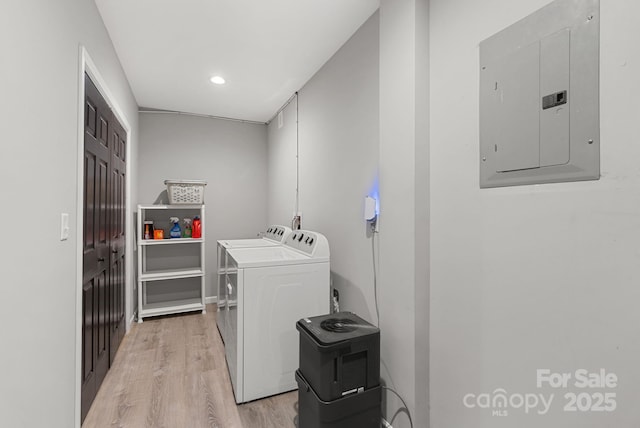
403, 403
385, 424
375, 274
375, 297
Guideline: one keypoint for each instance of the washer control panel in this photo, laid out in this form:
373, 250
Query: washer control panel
313, 244
277, 233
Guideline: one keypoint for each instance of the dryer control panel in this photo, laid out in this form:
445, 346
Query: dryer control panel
277, 233
313, 244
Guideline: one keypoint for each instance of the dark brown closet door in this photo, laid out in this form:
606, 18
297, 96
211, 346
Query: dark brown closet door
117, 238
103, 313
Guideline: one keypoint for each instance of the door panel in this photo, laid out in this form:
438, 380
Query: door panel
96, 250
89, 195
88, 369
274, 299
117, 238
101, 305
233, 345
103, 242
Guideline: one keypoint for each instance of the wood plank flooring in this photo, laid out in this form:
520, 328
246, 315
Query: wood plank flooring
170, 372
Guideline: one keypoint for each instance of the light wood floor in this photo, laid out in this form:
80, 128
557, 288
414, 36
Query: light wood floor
170, 372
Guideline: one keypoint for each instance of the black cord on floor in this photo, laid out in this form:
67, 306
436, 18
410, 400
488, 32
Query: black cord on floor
403, 403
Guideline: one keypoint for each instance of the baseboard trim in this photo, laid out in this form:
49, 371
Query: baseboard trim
211, 299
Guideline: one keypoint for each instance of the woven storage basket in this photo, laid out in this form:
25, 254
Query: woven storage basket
185, 191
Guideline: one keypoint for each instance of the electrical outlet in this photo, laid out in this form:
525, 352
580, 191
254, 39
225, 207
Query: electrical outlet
296, 222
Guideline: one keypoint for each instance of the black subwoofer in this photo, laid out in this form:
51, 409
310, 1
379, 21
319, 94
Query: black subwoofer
339, 374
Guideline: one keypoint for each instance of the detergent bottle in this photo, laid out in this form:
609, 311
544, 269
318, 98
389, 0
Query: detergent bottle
175, 232
196, 229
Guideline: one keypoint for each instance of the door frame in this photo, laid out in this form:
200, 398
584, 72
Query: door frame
86, 65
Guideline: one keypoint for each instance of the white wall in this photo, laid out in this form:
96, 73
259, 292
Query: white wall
531, 277
404, 211
341, 155
339, 161
39, 82
230, 155
422, 210
282, 167
338, 143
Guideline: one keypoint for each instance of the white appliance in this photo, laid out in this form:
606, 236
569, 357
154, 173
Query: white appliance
274, 288
275, 235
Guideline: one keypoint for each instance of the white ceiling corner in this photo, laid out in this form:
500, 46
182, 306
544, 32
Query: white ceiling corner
265, 49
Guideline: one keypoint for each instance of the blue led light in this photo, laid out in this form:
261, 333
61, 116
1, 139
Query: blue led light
374, 192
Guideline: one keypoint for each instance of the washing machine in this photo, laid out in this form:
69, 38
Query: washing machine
274, 287
274, 235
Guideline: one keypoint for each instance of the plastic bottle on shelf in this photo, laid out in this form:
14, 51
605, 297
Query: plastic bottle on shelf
186, 231
196, 229
175, 232
148, 230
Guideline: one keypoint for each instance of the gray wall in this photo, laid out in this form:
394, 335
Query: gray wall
422, 209
531, 277
338, 113
231, 156
282, 169
404, 211
339, 160
357, 132
39, 79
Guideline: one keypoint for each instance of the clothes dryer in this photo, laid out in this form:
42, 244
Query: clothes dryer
274, 235
274, 287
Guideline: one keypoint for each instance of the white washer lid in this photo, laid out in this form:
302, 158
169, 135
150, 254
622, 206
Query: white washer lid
274, 235
247, 243
270, 256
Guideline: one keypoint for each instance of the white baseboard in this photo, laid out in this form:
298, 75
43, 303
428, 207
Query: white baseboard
211, 299
131, 322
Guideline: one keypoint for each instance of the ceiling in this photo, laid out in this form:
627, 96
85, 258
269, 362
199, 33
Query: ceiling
265, 49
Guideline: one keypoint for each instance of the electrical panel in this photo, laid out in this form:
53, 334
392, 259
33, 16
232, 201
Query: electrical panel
539, 102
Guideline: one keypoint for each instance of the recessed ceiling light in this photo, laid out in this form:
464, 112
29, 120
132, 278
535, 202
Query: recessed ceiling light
217, 80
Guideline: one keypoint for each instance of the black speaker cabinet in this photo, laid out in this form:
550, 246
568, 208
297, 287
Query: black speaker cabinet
339, 355
351, 411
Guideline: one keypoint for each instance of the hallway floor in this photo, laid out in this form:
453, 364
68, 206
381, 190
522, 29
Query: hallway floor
171, 372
